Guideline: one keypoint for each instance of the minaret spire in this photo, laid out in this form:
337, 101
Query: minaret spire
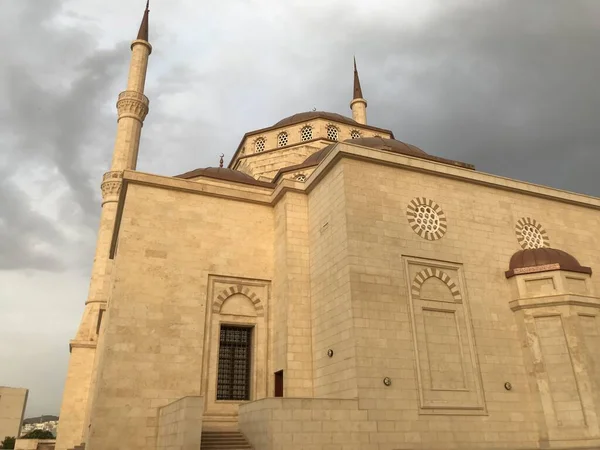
358, 105
357, 89
143, 33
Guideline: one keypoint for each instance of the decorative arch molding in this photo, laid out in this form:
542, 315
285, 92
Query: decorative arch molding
239, 289
429, 272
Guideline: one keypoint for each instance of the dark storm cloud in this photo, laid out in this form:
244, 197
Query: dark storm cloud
54, 83
22, 230
510, 86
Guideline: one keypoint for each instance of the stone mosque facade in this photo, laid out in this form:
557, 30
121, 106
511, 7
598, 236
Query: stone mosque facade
333, 288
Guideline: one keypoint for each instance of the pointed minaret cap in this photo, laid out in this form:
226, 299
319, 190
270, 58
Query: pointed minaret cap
143, 33
358, 105
357, 90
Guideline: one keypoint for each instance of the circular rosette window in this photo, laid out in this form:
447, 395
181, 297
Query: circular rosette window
530, 234
426, 218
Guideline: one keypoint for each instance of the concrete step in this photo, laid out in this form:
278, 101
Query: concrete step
224, 440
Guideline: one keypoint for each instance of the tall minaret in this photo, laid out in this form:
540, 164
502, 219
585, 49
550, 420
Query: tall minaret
132, 107
358, 103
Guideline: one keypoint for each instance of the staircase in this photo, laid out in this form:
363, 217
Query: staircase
224, 440
78, 447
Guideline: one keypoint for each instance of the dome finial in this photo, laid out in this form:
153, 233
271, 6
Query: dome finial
221, 160
143, 33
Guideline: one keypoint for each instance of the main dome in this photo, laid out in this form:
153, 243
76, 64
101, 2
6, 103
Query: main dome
309, 115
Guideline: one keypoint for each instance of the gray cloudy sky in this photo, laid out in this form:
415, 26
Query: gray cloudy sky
510, 86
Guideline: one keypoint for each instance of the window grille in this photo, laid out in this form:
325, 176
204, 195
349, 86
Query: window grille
282, 139
332, 133
306, 133
259, 145
233, 380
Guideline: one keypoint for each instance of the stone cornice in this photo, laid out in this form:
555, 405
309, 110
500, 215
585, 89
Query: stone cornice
555, 300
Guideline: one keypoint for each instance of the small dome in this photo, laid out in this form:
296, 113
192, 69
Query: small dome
222, 173
304, 116
542, 260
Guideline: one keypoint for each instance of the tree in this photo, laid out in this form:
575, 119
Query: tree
8, 442
38, 434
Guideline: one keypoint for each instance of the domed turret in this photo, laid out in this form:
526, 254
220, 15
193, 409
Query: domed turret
542, 260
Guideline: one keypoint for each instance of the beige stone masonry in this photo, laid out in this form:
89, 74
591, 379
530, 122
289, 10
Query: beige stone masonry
301, 423
180, 424
292, 343
172, 248
274, 157
35, 444
557, 314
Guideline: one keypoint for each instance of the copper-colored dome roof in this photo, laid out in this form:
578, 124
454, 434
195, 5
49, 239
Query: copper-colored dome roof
373, 142
543, 259
304, 116
222, 173
388, 144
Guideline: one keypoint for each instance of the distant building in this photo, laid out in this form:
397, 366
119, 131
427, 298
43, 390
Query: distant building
45, 423
12, 408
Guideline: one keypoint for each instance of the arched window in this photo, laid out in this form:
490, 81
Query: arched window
355, 134
282, 139
300, 177
259, 145
332, 133
306, 133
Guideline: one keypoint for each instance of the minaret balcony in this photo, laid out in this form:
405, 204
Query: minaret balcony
133, 104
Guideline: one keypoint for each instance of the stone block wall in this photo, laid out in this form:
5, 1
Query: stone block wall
331, 308
291, 323
35, 444
180, 424
307, 423
169, 244
12, 408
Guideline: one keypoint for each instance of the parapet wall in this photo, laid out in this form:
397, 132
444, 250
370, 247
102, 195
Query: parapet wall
294, 423
180, 424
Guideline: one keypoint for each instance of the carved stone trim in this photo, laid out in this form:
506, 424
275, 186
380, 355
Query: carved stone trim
111, 186
429, 272
587, 301
426, 218
133, 104
239, 289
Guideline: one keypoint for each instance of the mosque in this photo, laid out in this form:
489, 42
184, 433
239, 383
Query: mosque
333, 288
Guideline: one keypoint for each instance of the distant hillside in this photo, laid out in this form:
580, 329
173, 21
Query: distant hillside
40, 419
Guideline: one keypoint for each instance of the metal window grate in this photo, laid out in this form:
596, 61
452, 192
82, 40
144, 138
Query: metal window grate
233, 381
